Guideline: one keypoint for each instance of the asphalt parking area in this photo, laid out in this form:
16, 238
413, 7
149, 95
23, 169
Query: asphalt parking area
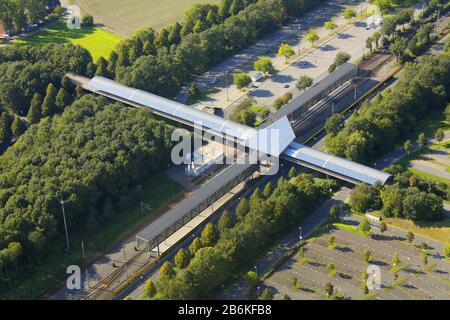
415, 280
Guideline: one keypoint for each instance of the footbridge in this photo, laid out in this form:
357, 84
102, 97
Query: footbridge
275, 138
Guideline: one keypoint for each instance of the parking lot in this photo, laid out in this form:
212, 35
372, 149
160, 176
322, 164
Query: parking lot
415, 280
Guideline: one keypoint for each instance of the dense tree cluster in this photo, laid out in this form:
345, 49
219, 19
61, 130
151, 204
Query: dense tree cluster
246, 112
217, 256
33, 84
377, 127
17, 14
162, 62
410, 197
95, 156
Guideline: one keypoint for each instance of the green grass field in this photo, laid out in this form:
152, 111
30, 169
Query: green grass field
158, 192
97, 41
127, 16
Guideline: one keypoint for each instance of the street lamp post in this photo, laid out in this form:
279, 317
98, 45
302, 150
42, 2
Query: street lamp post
226, 83
301, 234
256, 270
61, 201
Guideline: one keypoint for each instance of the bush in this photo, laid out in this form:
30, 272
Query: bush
87, 21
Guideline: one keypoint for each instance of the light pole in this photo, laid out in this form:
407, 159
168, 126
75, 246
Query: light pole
61, 201
301, 234
226, 83
256, 270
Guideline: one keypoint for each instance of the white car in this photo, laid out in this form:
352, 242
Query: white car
286, 85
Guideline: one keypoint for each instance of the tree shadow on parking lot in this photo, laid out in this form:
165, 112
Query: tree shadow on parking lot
344, 249
379, 263
327, 47
260, 93
344, 36
282, 78
305, 65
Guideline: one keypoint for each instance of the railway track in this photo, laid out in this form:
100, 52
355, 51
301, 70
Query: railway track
105, 285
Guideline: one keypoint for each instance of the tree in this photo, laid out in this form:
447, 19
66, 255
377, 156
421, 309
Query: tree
410, 237
331, 241
440, 135
365, 288
63, 99
334, 212
364, 276
341, 58
34, 113
330, 25
209, 235
367, 255
198, 26
251, 279
407, 146
312, 37
383, 227
329, 289
242, 209
364, 226
333, 124
424, 259
369, 42
225, 222
242, 80
376, 37
195, 246
266, 295
285, 51
349, 14
49, 104
268, 190
331, 266
181, 259
447, 250
292, 173
398, 48
422, 140
364, 198
5, 129
149, 289
193, 90
304, 82
87, 21
396, 259
18, 126
265, 65
102, 68
167, 271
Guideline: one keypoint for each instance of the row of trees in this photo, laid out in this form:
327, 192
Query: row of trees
378, 126
222, 251
151, 63
93, 156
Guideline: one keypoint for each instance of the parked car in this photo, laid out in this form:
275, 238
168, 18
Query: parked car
286, 85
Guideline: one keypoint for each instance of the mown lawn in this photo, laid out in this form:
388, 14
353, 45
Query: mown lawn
97, 41
158, 192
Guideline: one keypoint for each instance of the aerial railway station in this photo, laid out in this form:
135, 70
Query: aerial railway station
278, 124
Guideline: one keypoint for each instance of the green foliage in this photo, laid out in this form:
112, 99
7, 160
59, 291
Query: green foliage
312, 37
329, 289
334, 212
167, 271
87, 21
260, 220
241, 80
292, 173
266, 295
49, 104
149, 289
330, 25
18, 127
209, 235
225, 222
304, 82
422, 140
341, 58
181, 259
447, 250
410, 237
333, 124
407, 146
396, 259
283, 100
365, 198
242, 209
265, 65
376, 129
367, 256
364, 226
94, 151
251, 279
349, 13
285, 51
195, 246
